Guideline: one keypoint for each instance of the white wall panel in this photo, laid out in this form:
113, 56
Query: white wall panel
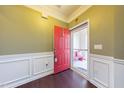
22, 68
14, 70
119, 73
101, 71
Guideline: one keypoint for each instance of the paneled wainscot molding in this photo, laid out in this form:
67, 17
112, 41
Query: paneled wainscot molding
19, 69
15, 70
106, 71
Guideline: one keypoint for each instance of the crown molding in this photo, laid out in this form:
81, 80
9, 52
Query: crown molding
78, 12
49, 11
34, 7
56, 14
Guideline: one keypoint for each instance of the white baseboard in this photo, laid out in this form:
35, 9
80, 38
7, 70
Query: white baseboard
83, 75
18, 83
96, 84
86, 77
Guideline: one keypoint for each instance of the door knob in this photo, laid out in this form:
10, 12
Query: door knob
54, 50
55, 59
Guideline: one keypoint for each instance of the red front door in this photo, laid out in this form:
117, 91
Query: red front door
61, 49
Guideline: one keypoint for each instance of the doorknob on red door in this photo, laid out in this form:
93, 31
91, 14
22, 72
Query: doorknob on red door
54, 50
55, 59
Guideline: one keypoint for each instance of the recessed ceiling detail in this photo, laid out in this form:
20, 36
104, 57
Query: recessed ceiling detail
62, 12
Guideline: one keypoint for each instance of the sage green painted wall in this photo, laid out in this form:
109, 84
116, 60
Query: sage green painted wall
101, 20
119, 32
22, 30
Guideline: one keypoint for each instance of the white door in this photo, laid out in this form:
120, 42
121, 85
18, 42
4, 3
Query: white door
80, 48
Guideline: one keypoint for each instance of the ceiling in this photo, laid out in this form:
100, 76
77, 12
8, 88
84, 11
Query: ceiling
62, 12
66, 10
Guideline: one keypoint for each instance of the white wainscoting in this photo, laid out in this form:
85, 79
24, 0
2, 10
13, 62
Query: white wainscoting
19, 69
42, 64
22, 68
118, 73
101, 70
106, 71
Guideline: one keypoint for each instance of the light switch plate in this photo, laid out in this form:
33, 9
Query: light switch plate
98, 46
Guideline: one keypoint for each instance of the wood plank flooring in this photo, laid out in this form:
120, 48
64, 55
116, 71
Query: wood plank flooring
65, 79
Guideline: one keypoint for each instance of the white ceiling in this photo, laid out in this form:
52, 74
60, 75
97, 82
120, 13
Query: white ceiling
66, 10
62, 12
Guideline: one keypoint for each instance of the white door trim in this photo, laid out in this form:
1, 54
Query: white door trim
88, 25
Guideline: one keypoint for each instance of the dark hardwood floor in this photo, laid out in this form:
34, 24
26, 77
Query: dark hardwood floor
65, 79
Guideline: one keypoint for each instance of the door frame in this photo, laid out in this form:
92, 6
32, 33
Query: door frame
87, 76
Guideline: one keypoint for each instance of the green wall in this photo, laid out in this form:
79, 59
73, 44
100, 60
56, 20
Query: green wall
106, 27
22, 30
119, 32
101, 19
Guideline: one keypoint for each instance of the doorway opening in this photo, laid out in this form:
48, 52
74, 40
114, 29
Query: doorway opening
80, 48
